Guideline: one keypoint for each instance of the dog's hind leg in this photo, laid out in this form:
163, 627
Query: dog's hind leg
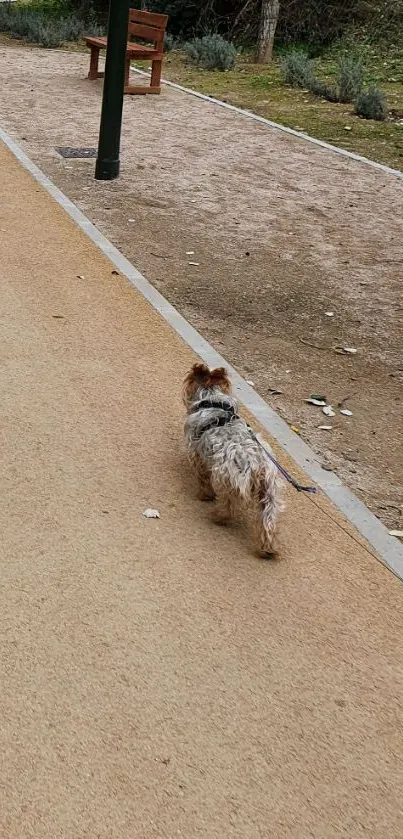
264, 537
265, 515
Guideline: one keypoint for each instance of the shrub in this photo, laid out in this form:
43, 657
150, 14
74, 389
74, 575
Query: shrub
212, 52
34, 25
325, 91
371, 104
297, 69
169, 42
351, 73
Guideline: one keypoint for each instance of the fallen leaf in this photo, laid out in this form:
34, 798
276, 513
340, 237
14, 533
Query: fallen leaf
345, 350
329, 314
397, 533
295, 429
151, 514
346, 412
347, 127
80, 277
328, 411
316, 400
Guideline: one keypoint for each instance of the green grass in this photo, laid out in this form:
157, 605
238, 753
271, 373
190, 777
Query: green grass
262, 91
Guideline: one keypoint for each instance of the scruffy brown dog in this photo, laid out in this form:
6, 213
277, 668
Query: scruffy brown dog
230, 461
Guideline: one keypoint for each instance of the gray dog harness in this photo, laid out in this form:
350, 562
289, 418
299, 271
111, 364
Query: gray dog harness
230, 415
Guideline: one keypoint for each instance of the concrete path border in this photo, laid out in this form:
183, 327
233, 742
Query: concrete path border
389, 550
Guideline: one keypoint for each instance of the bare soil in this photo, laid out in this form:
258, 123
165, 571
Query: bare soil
282, 232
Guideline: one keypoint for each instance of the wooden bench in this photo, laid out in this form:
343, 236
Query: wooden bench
147, 26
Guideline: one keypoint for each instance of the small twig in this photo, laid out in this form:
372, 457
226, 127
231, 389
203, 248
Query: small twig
160, 255
345, 398
240, 15
314, 346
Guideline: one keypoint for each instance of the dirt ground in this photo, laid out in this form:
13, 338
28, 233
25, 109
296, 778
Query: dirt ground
281, 231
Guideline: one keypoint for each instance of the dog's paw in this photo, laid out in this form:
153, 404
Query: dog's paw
218, 519
268, 554
207, 497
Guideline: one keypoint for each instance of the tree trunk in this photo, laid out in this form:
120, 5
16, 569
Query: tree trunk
267, 31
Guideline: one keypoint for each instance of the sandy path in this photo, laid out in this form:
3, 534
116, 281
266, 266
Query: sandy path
156, 679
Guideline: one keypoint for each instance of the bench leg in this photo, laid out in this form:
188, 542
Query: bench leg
155, 82
93, 71
156, 70
127, 74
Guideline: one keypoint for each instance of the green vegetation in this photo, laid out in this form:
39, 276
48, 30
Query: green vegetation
371, 104
297, 68
38, 23
351, 76
300, 71
315, 23
212, 52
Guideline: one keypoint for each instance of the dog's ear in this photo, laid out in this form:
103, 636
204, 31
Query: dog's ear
200, 373
197, 377
219, 378
201, 377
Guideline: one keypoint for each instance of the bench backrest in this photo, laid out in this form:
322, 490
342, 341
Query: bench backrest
149, 26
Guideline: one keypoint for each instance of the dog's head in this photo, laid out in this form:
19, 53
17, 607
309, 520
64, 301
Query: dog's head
200, 378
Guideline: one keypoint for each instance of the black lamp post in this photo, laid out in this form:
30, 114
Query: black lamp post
108, 163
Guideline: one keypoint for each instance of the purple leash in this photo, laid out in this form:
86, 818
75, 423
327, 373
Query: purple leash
287, 475
281, 469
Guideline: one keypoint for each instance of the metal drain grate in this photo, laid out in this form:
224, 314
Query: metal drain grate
70, 152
